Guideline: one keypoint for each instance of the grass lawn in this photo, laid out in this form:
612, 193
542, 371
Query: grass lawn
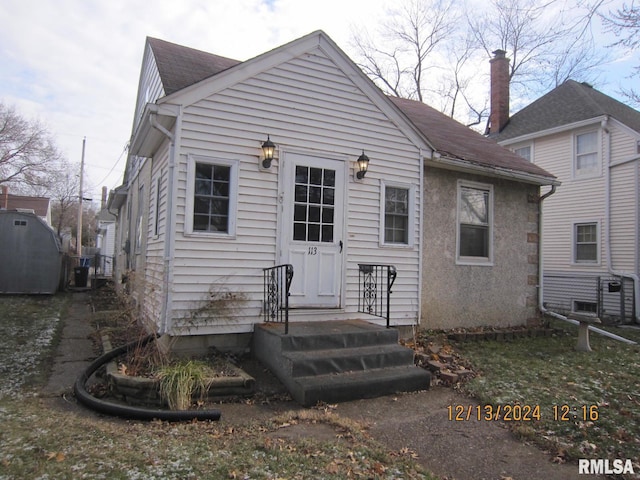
41, 440
589, 403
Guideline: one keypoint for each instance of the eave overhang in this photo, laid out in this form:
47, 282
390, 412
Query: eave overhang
451, 163
147, 138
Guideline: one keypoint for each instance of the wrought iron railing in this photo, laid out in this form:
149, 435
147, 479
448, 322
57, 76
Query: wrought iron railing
374, 289
277, 281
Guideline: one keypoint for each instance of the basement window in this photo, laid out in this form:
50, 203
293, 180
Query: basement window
585, 307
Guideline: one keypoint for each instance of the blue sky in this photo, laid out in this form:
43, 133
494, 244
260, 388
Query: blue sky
75, 64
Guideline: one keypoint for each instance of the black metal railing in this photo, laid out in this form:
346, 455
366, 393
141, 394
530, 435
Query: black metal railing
277, 282
374, 289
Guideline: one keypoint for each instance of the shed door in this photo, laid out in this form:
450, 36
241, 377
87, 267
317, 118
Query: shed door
311, 237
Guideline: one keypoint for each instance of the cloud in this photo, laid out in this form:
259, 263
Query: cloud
75, 64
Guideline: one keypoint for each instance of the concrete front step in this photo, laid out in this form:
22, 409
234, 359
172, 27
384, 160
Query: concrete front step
345, 386
338, 360
322, 362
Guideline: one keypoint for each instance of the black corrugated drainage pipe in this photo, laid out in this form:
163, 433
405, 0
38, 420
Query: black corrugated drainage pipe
128, 411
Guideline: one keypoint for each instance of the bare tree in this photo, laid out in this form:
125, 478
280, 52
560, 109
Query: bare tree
412, 36
624, 23
547, 41
64, 198
429, 53
27, 151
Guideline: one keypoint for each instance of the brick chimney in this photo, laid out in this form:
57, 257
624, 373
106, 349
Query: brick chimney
103, 200
4, 191
499, 115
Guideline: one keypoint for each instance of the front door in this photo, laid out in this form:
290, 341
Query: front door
311, 237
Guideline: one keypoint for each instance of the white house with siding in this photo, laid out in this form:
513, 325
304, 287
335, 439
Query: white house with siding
591, 226
200, 216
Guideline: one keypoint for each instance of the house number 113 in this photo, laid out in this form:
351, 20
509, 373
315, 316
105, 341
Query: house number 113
313, 251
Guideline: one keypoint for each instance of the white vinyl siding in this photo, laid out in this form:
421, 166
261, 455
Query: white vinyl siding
306, 105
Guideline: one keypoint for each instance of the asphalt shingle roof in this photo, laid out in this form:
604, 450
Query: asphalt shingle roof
180, 67
569, 103
454, 140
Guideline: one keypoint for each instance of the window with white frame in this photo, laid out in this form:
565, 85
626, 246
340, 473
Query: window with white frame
211, 196
397, 214
474, 239
586, 154
524, 152
586, 242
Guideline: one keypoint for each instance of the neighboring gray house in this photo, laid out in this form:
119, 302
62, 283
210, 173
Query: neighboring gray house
591, 226
30, 254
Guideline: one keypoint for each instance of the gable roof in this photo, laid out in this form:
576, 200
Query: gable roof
180, 66
569, 103
458, 142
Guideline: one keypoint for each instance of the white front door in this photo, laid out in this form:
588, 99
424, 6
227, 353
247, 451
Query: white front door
311, 234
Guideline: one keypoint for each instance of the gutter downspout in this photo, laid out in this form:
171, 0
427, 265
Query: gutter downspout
541, 306
420, 234
168, 241
607, 219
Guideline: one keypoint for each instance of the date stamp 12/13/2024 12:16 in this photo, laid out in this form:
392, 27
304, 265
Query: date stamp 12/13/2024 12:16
522, 413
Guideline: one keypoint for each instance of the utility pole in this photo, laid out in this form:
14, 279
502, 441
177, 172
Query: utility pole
79, 232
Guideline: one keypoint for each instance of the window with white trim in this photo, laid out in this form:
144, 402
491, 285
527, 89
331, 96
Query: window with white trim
397, 214
474, 236
586, 154
211, 196
586, 242
524, 152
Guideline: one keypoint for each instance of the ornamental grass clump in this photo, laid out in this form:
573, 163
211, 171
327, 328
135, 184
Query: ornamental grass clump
180, 381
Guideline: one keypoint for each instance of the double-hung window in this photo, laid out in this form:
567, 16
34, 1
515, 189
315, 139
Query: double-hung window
397, 214
586, 242
211, 196
586, 155
474, 239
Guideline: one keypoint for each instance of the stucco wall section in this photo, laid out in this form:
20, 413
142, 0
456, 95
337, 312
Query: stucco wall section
502, 294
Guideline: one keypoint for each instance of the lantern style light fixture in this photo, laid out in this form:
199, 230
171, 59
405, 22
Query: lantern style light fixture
268, 150
363, 166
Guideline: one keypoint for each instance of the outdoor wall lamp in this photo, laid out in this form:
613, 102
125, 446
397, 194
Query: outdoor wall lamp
363, 166
268, 149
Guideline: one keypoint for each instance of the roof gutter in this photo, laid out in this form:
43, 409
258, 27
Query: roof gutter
441, 161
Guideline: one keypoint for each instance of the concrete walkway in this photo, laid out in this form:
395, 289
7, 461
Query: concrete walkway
75, 350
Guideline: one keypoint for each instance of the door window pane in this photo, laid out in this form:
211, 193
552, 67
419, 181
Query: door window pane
314, 200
